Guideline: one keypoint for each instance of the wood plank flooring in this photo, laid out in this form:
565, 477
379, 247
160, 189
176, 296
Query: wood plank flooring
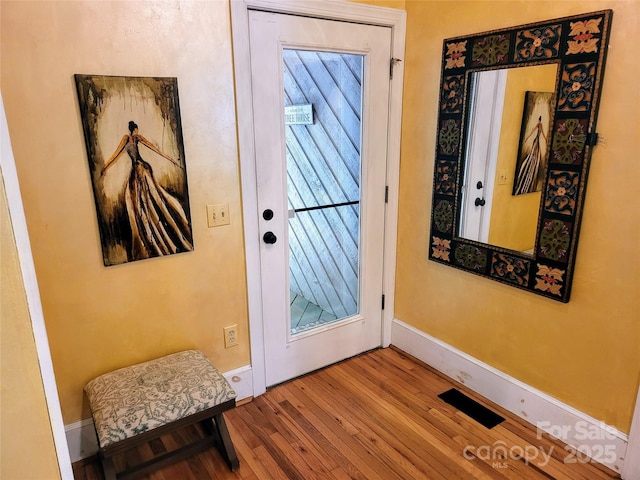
374, 416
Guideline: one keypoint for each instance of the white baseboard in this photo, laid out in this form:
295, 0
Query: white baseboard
81, 437
585, 434
241, 380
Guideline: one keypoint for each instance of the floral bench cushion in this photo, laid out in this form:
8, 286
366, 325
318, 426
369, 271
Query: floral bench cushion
132, 400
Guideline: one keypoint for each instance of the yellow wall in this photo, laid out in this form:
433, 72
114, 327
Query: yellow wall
99, 318
24, 419
514, 217
585, 353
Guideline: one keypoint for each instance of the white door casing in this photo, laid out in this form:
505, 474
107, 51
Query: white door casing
395, 20
631, 466
312, 45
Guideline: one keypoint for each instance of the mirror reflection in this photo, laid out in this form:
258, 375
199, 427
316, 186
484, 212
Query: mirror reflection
505, 224
510, 118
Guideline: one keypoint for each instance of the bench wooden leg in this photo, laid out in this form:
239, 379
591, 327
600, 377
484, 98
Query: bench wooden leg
108, 468
226, 445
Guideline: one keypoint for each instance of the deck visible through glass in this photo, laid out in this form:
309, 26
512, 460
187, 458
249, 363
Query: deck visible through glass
306, 315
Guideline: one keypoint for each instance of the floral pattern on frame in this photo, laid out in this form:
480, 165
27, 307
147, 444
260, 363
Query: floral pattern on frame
449, 137
569, 141
577, 46
512, 269
471, 257
584, 36
453, 91
540, 43
562, 192
549, 279
443, 217
577, 87
441, 248
446, 172
555, 239
490, 50
455, 56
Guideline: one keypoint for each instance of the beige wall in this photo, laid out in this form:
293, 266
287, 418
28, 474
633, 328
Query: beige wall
24, 419
585, 353
99, 318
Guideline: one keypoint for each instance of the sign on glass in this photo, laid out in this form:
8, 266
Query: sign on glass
298, 115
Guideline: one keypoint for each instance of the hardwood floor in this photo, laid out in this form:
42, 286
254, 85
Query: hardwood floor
375, 416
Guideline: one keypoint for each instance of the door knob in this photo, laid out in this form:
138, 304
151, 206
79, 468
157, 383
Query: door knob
480, 202
267, 214
270, 238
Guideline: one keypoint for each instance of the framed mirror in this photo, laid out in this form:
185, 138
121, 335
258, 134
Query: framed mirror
515, 132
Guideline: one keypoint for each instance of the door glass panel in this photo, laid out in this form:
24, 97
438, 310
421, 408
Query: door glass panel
323, 105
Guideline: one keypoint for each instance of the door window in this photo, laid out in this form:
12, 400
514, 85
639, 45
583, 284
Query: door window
323, 107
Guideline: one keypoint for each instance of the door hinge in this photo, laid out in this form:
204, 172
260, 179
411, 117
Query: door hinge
386, 194
392, 62
382, 301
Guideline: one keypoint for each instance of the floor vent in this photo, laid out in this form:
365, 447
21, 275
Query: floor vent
470, 407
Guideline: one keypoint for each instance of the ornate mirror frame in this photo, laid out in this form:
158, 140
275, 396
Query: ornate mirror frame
578, 44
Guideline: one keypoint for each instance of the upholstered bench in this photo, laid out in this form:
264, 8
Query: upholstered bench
137, 404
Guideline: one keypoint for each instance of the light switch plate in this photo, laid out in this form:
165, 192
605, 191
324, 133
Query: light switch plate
218, 215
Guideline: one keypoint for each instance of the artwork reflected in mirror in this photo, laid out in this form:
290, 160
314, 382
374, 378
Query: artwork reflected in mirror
511, 172
534, 143
133, 136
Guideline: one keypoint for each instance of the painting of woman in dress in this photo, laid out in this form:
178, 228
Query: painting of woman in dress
141, 197
534, 143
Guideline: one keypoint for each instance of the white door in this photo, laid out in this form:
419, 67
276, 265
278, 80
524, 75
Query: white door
485, 122
320, 92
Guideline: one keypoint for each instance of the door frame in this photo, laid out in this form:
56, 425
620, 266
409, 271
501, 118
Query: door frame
631, 465
482, 145
9, 174
329, 10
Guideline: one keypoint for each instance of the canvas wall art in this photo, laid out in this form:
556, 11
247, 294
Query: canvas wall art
533, 150
133, 136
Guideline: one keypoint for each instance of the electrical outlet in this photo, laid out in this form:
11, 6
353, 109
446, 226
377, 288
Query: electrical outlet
231, 336
218, 215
